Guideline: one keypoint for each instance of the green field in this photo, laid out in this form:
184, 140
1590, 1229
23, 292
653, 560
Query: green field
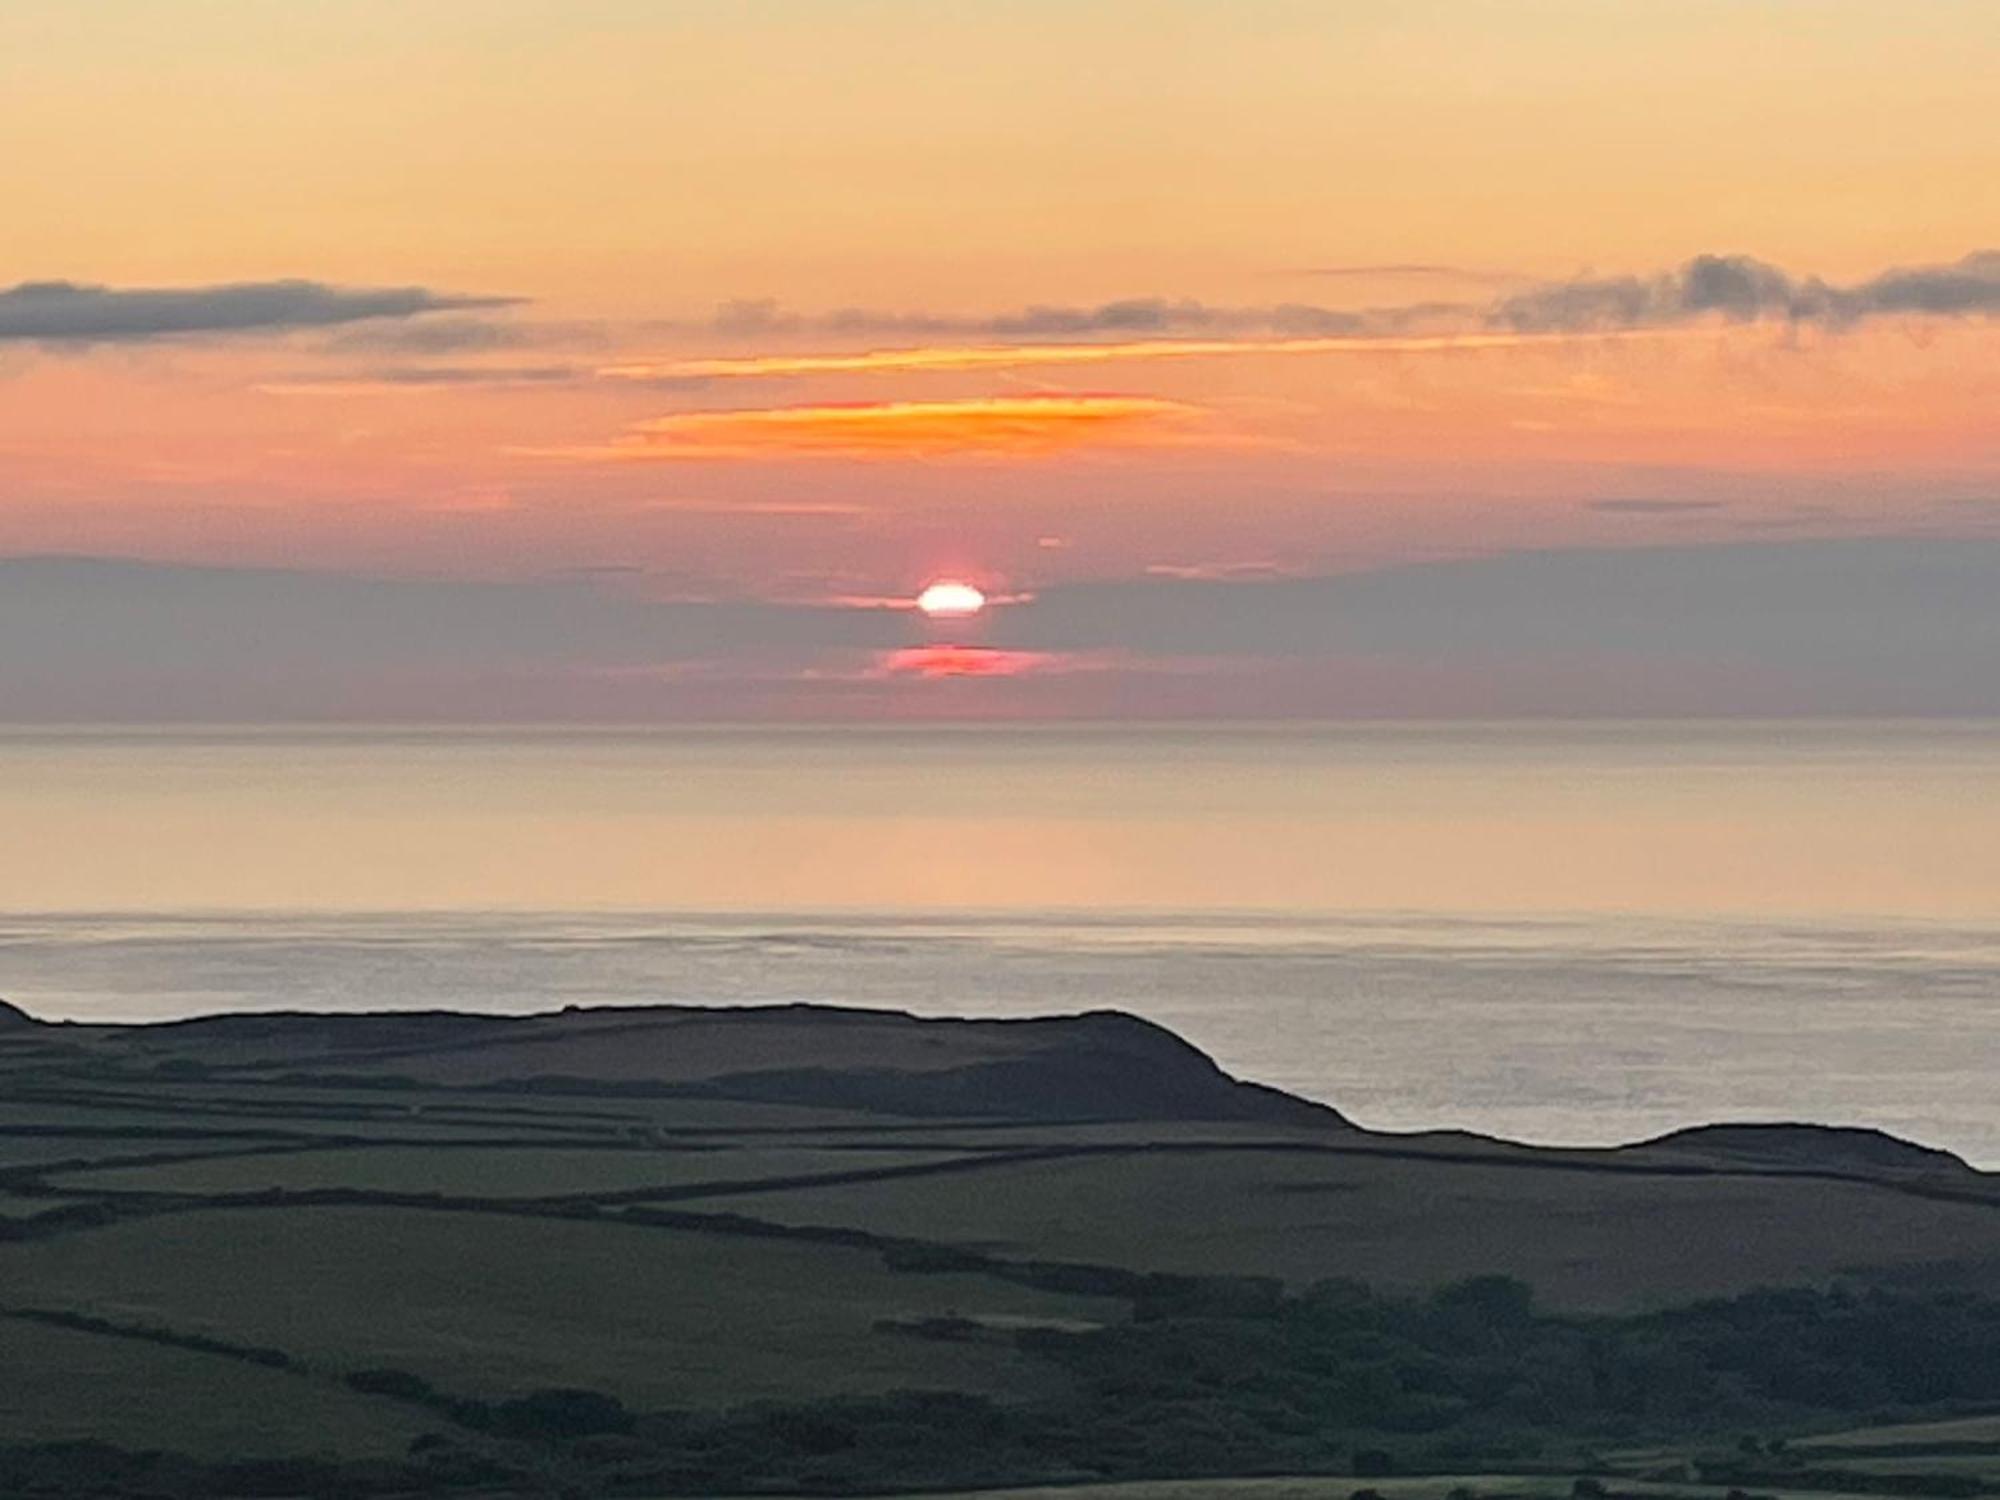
1433, 1487
473, 1172
1984, 1429
1489, 1486
13, 1206
64, 1386
1585, 1239
493, 1306
42, 1150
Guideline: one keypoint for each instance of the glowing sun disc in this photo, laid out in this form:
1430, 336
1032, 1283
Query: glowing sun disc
950, 600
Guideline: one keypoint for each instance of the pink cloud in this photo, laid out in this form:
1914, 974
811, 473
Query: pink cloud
965, 661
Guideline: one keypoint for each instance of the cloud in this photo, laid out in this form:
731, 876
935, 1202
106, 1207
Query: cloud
1854, 607
1004, 425
907, 603
433, 336
1860, 626
1972, 285
1734, 287
1743, 289
965, 661
1127, 315
446, 335
1158, 315
412, 379
67, 312
961, 357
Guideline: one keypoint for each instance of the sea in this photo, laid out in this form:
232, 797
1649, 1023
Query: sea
1575, 933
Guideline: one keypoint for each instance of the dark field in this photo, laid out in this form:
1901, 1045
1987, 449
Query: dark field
1589, 1240
673, 1252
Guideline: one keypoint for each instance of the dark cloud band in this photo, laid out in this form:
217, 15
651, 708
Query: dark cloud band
1128, 317
68, 312
1747, 290
1736, 287
1863, 626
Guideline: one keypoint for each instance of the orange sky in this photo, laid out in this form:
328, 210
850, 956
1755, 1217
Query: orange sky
1314, 217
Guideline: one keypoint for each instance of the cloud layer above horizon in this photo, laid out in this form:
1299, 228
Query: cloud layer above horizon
1738, 288
1733, 288
1763, 629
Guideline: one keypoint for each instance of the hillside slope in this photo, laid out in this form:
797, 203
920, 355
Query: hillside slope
672, 1250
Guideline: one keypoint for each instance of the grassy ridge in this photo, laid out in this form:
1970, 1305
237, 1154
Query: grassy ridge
1585, 1238
655, 1317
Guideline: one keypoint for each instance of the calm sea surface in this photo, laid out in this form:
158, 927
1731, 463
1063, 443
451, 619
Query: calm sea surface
1555, 933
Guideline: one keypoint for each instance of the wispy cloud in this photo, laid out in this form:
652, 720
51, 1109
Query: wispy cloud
905, 603
461, 336
967, 661
994, 425
959, 357
1123, 316
1731, 287
67, 312
403, 380
1743, 289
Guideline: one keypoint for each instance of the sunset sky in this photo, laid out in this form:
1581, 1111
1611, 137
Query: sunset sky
708, 334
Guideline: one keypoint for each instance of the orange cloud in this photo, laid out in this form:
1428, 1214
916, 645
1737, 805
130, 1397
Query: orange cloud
952, 357
1005, 425
948, 660
961, 661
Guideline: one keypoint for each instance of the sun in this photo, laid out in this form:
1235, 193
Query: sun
948, 599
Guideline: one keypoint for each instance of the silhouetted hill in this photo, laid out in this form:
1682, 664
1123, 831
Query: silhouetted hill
1803, 1146
1100, 1065
677, 1250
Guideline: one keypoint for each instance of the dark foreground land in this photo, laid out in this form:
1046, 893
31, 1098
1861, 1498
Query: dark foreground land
673, 1252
